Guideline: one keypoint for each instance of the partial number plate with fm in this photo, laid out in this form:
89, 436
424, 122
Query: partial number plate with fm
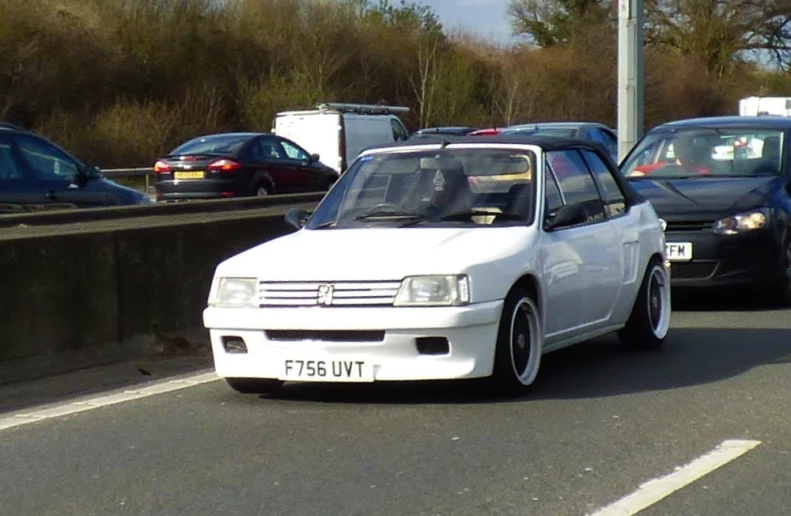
299, 370
679, 251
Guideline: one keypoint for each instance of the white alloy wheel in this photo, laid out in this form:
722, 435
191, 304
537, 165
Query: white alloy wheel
517, 354
658, 302
525, 340
649, 321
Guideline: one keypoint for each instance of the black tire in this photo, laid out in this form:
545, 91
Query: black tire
520, 338
781, 289
262, 189
254, 385
649, 321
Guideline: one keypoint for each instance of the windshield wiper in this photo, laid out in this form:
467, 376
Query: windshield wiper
389, 215
325, 224
461, 215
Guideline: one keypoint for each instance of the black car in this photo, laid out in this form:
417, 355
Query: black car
37, 174
239, 165
722, 186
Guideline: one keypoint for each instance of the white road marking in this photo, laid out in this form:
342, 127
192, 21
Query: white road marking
655, 490
33, 415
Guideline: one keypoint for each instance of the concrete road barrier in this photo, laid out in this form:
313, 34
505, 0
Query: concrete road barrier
71, 287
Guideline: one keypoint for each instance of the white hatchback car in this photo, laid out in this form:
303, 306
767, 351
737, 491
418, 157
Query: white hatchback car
445, 260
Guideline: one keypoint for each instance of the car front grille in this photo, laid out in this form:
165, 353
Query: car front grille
330, 293
692, 270
689, 225
326, 335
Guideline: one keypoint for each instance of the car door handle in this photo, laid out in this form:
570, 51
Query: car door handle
51, 196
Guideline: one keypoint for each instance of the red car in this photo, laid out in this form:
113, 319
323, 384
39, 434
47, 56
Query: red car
493, 131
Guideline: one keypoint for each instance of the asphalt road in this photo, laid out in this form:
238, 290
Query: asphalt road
600, 421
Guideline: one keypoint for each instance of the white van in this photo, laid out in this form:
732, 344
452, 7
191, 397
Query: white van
754, 106
338, 132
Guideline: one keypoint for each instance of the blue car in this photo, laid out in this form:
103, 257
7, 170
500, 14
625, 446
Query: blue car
36, 174
722, 185
590, 131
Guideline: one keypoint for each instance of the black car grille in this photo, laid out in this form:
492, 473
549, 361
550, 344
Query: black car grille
689, 225
692, 270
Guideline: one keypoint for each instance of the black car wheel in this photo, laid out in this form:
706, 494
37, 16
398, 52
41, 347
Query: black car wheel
262, 190
782, 288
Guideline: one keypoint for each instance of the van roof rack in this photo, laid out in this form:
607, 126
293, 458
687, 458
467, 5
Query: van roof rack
361, 108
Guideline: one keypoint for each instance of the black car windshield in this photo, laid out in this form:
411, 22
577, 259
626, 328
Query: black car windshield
707, 152
216, 144
482, 186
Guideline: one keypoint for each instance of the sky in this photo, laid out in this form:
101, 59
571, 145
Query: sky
485, 17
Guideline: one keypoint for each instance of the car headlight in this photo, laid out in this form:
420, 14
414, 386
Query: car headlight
742, 222
233, 293
453, 290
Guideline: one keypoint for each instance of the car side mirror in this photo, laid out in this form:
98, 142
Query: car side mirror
297, 217
314, 158
568, 215
80, 178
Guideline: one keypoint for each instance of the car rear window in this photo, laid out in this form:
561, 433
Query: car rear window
220, 144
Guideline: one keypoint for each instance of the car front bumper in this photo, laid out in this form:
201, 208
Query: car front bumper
725, 260
281, 341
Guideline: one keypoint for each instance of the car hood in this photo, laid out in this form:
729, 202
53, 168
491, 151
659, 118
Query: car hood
124, 194
714, 196
375, 253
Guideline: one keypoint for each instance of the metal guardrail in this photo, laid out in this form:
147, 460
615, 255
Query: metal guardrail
85, 215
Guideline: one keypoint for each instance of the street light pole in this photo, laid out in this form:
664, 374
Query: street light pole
631, 19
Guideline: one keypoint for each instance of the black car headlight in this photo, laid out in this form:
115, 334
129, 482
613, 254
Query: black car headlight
742, 222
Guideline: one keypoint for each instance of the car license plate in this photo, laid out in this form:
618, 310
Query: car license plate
193, 174
327, 370
679, 251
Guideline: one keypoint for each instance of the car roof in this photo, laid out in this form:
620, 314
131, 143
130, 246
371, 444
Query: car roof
450, 129
768, 121
547, 143
231, 135
558, 125
12, 127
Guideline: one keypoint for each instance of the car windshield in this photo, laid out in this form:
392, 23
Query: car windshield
216, 144
705, 152
481, 186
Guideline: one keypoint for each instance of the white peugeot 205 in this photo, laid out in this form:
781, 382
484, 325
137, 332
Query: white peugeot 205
445, 260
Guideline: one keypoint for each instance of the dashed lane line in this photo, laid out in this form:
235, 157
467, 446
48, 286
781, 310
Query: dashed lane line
102, 400
655, 490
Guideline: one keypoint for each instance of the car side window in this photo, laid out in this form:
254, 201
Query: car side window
576, 182
294, 152
399, 131
552, 197
46, 162
10, 168
270, 148
614, 200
